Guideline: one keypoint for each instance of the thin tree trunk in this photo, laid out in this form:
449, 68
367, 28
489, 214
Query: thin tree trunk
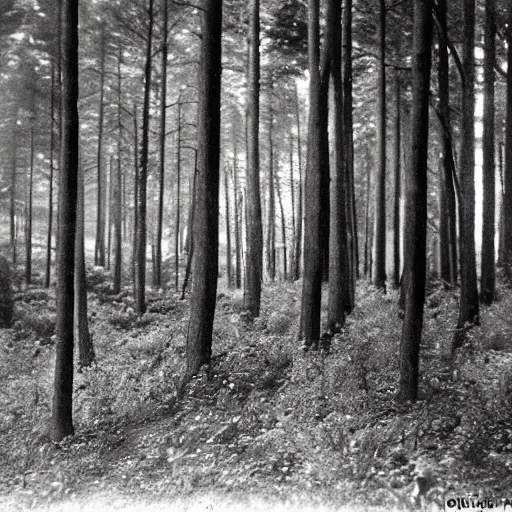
238, 220
229, 264
62, 421
178, 200
294, 224
271, 215
28, 233
206, 214
501, 244
99, 258
379, 263
108, 209
140, 274
487, 280
254, 230
135, 197
416, 204
118, 227
351, 217
50, 179
190, 255
468, 307
14, 172
448, 218
283, 228
81, 332
157, 276
397, 191
300, 195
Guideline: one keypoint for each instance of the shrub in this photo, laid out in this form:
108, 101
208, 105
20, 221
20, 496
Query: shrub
42, 324
6, 294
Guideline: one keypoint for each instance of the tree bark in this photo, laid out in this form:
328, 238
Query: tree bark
416, 204
238, 220
300, 194
487, 280
28, 233
140, 274
283, 227
294, 222
62, 422
339, 259
14, 172
349, 150
468, 307
81, 332
379, 262
157, 277
398, 181
50, 179
448, 218
312, 274
254, 230
271, 215
507, 196
99, 258
178, 201
206, 215
229, 264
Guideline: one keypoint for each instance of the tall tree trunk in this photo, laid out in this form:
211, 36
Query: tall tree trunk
50, 179
507, 196
416, 204
28, 233
157, 276
135, 197
294, 224
206, 215
254, 230
108, 210
367, 229
312, 274
140, 274
339, 270
283, 227
351, 217
271, 216
448, 218
229, 264
300, 194
501, 244
397, 191
119, 203
81, 332
379, 263
62, 421
99, 258
14, 172
178, 200
487, 280
190, 255
238, 220
468, 307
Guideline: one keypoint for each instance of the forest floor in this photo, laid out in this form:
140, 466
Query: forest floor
268, 425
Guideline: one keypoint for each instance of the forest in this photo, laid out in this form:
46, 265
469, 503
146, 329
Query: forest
255, 255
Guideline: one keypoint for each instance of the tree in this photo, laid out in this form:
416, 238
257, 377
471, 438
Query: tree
62, 421
397, 185
507, 196
140, 260
339, 269
312, 273
415, 235
379, 261
157, 278
254, 251
82, 335
468, 306
448, 216
206, 212
487, 280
